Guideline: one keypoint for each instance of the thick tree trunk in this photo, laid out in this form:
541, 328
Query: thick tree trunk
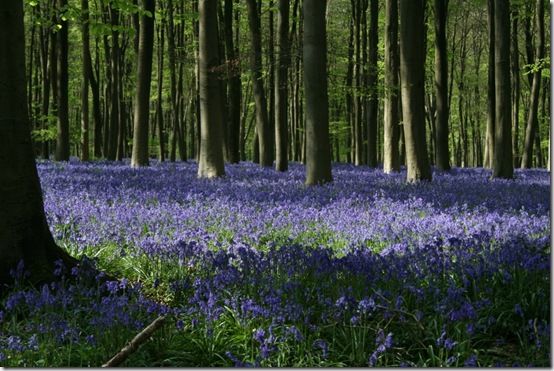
532, 120
318, 156
62, 142
503, 166
262, 122
412, 71
144, 76
281, 92
441, 86
210, 162
24, 233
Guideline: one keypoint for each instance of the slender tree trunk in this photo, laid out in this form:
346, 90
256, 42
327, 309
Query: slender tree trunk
532, 120
412, 70
114, 83
503, 166
515, 86
262, 122
234, 85
144, 76
441, 86
318, 154
211, 143
62, 143
491, 93
372, 132
87, 66
281, 92
391, 160
159, 105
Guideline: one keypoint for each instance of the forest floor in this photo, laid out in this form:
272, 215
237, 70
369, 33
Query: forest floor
255, 269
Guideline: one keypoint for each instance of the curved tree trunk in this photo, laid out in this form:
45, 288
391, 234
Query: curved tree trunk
210, 162
24, 233
318, 149
144, 77
532, 120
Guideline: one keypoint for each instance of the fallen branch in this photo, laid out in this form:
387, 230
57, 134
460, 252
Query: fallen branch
134, 344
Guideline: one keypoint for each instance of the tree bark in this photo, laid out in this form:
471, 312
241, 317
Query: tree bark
318, 156
372, 85
159, 102
412, 71
24, 233
210, 162
441, 86
281, 91
515, 86
491, 95
144, 76
503, 166
262, 122
532, 120
62, 142
234, 85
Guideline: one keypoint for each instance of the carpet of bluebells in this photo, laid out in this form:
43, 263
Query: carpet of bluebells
255, 269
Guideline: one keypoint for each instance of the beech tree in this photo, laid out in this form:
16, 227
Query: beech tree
318, 150
210, 162
144, 76
441, 86
412, 74
503, 166
281, 91
24, 233
62, 142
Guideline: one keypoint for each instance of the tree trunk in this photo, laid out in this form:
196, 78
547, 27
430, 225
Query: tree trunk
87, 66
441, 86
412, 71
532, 120
281, 92
234, 86
210, 162
114, 83
515, 86
318, 156
144, 76
491, 95
62, 142
391, 160
503, 166
159, 105
262, 122
24, 233
372, 138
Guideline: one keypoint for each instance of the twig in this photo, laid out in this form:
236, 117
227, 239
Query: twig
133, 345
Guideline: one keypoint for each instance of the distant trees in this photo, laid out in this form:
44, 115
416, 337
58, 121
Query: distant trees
91, 110
24, 233
412, 74
210, 162
318, 150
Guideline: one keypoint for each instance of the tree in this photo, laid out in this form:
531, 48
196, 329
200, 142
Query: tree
491, 98
391, 159
210, 162
372, 106
503, 166
412, 75
532, 120
262, 121
85, 83
62, 142
281, 92
318, 150
144, 76
441, 85
24, 233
